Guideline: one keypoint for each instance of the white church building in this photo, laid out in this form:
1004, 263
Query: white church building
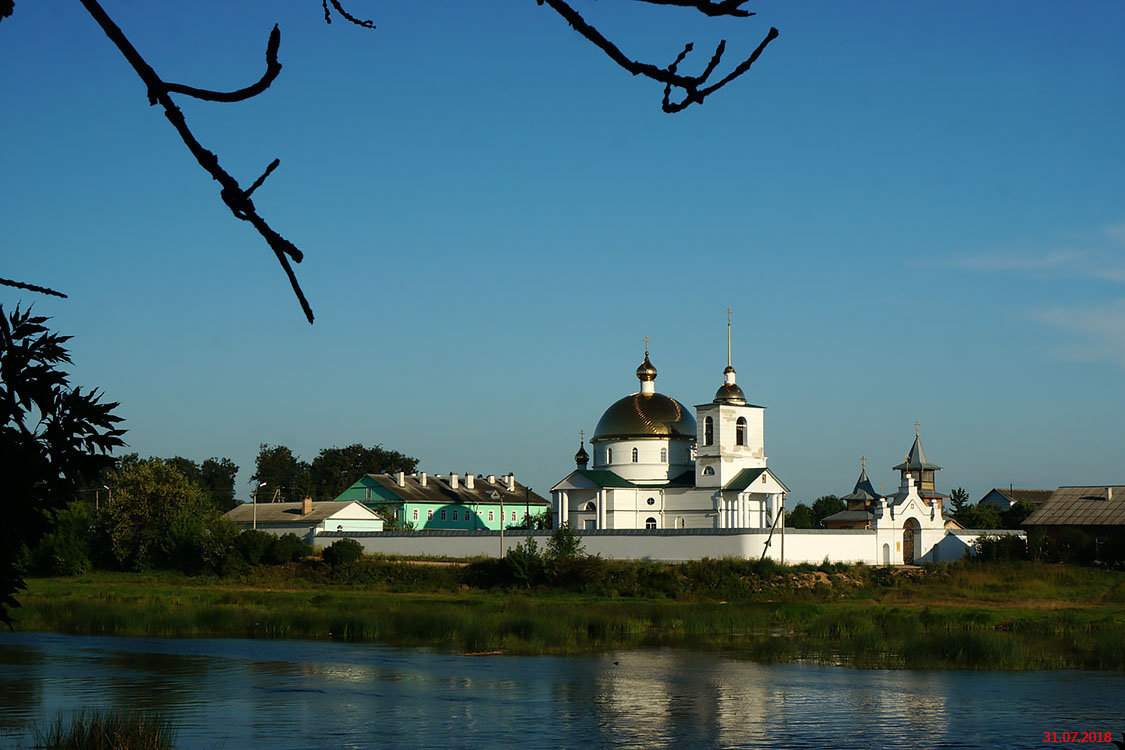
669, 484
656, 466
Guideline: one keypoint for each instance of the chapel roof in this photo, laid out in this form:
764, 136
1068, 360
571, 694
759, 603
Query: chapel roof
916, 458
863, 489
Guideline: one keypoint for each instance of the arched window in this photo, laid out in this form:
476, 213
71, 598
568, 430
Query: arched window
740, 431
589, 507
650, 523
680, 522
609, 455
663, 455
636, 455
708, 431
708, 471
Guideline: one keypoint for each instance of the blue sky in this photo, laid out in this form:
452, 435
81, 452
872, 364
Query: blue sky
914, 210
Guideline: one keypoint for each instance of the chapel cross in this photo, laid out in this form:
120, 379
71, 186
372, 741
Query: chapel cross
646, 346
863, 462
917, 428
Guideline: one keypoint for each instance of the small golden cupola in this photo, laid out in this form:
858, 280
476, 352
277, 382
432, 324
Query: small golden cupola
646, 373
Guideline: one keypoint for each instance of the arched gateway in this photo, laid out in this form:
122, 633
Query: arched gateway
910, 530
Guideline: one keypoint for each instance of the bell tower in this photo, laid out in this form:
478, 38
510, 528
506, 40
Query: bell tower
731, 432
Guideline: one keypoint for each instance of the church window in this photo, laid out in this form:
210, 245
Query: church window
456, 515
443, 514
650, 523
490, 516
708, 471
415, 514
680, 522
590, 507
740, 431
663, 455
429, 514
609, 455
636, 455
708, 431
651, 501
513, 515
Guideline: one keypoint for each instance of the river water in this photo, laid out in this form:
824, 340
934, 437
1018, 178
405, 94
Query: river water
305, 694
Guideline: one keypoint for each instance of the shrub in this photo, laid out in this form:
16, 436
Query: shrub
285, 549
525, 564
65, 550
253, 544
1000, 548
342, 552
565, 544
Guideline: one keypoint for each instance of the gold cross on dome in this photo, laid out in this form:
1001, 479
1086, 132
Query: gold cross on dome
728, 315
863, 462
917, 428
646, 346
582, 436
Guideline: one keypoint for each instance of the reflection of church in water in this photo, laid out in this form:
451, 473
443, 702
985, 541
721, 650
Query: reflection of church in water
655, 466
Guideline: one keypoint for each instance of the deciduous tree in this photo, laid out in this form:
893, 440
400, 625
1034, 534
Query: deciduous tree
159, 518
53, 437
824, 506
285, 475
336, 469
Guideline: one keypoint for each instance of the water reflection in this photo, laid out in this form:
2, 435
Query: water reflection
277, 694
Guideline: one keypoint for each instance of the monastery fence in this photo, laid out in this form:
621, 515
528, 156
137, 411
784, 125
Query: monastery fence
672, 545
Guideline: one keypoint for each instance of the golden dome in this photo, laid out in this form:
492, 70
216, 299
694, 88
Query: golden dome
646, 372
646, 415
729, 393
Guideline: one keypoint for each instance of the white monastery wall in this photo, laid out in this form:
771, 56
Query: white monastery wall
800, 545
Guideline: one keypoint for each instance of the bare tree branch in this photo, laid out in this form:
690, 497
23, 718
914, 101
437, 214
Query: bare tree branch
707, 8
347, 16
31, 287
691, 85
273, 68
237, 200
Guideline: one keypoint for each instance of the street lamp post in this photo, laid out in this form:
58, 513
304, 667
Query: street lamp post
254, 500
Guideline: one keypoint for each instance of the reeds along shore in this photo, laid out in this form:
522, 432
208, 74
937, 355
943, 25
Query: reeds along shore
1000, 616
109, 729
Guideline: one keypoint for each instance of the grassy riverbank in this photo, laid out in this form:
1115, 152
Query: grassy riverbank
1003, 616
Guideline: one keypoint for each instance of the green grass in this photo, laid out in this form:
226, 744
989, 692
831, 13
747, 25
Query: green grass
1003, 616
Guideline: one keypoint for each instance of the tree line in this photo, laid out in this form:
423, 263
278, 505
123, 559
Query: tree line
282, 476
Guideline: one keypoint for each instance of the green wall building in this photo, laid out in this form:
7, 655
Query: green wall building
468, 501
